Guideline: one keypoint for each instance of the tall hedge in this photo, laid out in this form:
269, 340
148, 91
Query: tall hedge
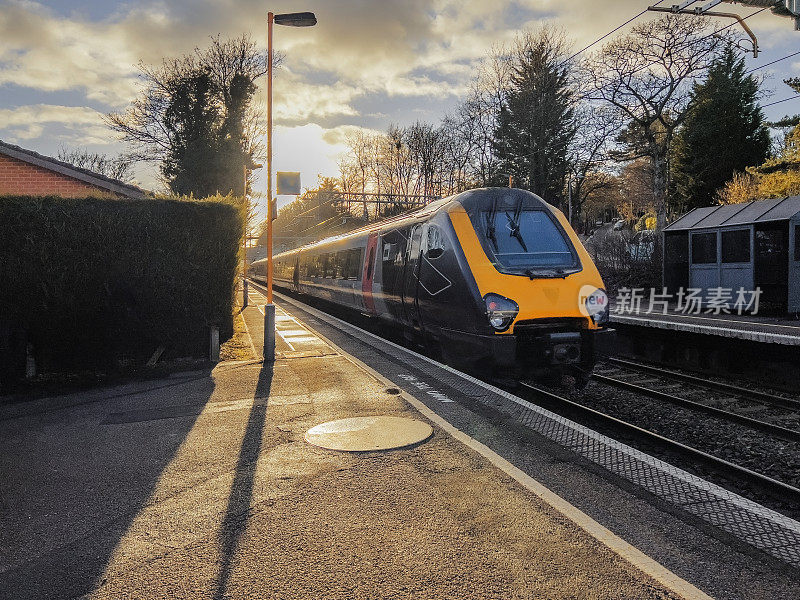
93, 282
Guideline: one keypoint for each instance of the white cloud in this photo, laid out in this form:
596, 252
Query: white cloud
298, 100
363, 60
77, 124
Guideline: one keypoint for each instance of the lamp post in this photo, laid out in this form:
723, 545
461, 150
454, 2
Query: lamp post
301, 19
569, 193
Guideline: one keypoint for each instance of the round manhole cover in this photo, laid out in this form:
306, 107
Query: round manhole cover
361, 434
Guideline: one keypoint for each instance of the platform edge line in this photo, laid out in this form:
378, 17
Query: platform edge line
682, 474
605, 536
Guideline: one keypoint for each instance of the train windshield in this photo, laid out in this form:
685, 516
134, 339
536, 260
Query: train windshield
526, 241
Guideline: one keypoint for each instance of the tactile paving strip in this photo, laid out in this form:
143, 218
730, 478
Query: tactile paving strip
765, 529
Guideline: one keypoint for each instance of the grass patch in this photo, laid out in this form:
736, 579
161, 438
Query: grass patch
239, 346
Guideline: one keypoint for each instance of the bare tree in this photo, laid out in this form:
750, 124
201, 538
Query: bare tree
476, 117
597, 126
646, 76
427, 144
118, 167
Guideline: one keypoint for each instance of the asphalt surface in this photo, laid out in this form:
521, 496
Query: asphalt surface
201, 486
701, 554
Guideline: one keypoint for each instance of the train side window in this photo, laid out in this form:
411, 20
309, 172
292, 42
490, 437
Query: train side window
340, 263
435, 242
352, 262
736, 246
797, 243
704, 248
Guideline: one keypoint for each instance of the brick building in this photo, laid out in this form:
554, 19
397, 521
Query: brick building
27, 173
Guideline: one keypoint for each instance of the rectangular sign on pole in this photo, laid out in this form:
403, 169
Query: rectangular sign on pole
288, 184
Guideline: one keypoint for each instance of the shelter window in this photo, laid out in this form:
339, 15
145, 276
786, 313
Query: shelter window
797, 242
736, 246
704, 248
771, 242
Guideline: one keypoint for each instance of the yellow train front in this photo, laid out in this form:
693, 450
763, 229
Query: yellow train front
492, 279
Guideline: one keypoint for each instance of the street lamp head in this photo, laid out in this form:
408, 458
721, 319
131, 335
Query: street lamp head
301, 19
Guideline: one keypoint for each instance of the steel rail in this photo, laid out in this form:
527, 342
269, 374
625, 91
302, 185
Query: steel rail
745, 393
782, 432
776, 488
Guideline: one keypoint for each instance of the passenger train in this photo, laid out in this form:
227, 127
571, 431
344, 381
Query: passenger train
492, 279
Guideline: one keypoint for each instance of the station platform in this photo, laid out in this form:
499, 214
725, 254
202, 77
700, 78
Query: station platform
201, 485
753, 328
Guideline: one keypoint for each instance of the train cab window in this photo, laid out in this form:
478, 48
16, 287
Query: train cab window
530, 240
704, 248
736, 246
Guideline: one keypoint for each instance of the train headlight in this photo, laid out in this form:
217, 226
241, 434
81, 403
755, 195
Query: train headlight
500, 310
595, 306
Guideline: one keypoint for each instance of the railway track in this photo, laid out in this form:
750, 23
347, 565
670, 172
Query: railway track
775, 415
561, 405
742, 478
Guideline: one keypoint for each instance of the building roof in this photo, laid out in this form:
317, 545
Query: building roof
760, 211
51, 164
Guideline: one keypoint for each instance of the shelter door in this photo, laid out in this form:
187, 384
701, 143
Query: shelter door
704, 272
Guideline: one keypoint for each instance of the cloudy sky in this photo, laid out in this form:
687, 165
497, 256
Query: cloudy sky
368, 63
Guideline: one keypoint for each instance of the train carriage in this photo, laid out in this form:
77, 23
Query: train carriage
492, 278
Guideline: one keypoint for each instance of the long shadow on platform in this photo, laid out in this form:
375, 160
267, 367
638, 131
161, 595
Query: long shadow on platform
236, 514
80, 480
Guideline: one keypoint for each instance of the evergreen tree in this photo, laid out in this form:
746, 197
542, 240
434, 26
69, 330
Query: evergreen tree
536, 122
723, 134
190, 164
195, 117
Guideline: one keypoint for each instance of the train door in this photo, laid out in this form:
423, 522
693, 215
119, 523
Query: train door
395, 244
368, 274
411, 279
296, 273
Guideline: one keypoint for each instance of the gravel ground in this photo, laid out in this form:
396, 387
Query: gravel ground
757, 451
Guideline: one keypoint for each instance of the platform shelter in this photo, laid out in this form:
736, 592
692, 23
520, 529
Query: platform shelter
754, 245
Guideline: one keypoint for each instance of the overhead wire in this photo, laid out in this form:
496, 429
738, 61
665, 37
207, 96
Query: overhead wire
773, 62
601, 38
780, 101
712, 34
